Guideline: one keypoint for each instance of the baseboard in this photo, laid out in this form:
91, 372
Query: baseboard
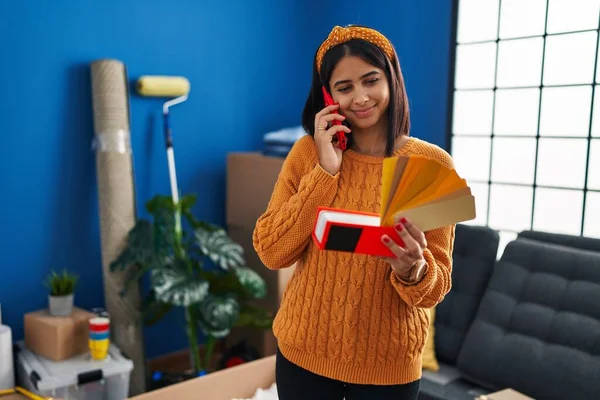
179, 361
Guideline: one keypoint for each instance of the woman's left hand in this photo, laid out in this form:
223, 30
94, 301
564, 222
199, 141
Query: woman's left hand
409, 256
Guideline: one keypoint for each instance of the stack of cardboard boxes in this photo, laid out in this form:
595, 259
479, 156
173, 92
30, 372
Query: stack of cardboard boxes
251, 178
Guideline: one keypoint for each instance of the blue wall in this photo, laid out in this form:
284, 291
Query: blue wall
249, 64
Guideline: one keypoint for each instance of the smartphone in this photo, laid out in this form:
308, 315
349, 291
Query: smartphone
341, 136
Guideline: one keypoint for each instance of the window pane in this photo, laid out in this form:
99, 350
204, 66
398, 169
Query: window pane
473, 112
594, 167
480, 192
558, 210
591, 226
510, 207
570, 15
475, 66
522, 18
513, 160
561, 162
596, 116
520, 62
505, 238
477, 20
570, 59
471, 157
516, 112
566, 111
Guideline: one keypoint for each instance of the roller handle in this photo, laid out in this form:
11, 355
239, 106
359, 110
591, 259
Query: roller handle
168, 132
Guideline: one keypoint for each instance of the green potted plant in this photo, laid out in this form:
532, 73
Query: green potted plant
215, 295
62, 288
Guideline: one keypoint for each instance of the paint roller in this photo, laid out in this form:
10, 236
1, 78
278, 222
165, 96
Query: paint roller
176, 87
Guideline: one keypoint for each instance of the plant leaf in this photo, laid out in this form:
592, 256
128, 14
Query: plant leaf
139, 256
220, 248
186, 203
159, 203
176, 286
61, 285
253, 284
217, 314
154, 310
227, 283
164, 230
139, 250
133, 275
166, 213
254, 317
197, 224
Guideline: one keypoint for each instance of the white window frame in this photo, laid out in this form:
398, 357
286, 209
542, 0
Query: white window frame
590, 205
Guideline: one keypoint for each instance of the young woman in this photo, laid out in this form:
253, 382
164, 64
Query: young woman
352, 326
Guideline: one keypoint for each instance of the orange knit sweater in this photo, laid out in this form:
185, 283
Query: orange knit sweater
347, 316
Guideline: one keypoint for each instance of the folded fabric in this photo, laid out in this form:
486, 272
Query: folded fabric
264, 394
285, 136
276, 150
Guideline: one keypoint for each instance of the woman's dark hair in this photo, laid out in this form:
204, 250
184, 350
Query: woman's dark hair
398, 109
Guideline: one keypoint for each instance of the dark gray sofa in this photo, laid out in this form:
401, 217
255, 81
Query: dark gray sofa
578, 242
536, 324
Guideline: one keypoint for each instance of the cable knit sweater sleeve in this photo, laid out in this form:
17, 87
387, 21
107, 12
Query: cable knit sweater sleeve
437, 281
284, 230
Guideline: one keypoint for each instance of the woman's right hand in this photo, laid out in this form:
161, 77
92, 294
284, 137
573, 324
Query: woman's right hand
330, 154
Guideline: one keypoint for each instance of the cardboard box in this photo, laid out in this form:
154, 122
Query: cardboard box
262, 340
506, 394
276, 280
57, 338
251, 178
240, 382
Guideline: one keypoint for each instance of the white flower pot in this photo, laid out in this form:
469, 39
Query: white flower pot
61, 306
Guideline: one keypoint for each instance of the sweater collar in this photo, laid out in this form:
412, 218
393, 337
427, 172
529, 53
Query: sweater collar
405, 149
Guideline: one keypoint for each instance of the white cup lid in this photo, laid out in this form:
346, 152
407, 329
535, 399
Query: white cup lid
99, 321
